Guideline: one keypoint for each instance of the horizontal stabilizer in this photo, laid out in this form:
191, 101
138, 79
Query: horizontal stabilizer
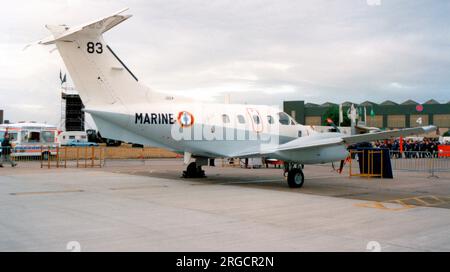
96, 27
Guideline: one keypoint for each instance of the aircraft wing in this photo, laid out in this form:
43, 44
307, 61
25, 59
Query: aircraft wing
369, 137
324, 140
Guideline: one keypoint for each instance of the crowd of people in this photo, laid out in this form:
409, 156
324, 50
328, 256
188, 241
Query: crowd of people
426, 148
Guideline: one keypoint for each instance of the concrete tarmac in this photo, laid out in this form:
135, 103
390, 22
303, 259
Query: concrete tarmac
146, 206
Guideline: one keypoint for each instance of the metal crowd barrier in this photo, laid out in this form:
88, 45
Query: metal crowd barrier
409, 161
421, 161
21, 156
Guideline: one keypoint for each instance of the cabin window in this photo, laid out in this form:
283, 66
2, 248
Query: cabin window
270, 119
225, 119
284, 118
72, 137
241, 119
256, 119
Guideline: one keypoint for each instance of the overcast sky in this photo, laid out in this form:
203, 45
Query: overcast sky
257, 51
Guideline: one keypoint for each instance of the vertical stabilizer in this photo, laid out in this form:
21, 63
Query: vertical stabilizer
101, 78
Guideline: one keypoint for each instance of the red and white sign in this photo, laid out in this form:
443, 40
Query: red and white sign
419, 108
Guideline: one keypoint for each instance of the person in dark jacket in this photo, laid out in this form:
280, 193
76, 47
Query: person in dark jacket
6, 151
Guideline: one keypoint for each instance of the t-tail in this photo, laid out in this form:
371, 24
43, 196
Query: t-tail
108, 89
101, 78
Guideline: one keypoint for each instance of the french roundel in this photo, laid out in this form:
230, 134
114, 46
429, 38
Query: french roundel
185, 119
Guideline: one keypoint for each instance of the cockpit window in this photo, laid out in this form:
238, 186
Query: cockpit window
284, 119
270, 119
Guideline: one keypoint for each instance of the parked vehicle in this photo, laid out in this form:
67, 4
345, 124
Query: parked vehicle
31, 139
70, 136
95, 137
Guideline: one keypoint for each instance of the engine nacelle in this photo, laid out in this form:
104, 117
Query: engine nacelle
314, 155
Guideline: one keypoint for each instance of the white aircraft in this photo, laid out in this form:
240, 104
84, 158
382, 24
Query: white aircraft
124, 109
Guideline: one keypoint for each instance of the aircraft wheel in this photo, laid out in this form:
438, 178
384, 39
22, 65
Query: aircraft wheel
295, 178
193, 171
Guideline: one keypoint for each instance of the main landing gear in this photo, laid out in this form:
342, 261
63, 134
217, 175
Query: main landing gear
194, 170
294, 174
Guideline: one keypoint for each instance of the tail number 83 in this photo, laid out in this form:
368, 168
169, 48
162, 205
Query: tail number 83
94, 48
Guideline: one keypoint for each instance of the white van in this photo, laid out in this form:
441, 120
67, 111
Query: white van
73, 136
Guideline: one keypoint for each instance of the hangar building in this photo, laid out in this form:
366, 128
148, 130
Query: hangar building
386, 115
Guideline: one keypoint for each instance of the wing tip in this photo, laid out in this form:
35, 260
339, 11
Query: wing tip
428, 129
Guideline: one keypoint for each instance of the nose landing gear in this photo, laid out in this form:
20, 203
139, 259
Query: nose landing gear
295, 176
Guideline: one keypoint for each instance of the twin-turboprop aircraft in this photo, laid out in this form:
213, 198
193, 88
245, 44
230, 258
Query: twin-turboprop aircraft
124, 109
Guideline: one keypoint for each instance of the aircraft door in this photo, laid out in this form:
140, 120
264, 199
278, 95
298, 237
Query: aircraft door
256, 120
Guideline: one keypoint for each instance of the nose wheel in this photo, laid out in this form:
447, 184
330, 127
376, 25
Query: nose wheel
295, 176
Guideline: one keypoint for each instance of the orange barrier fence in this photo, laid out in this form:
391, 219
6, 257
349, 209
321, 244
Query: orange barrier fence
361, 155
95, 156
88, 156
